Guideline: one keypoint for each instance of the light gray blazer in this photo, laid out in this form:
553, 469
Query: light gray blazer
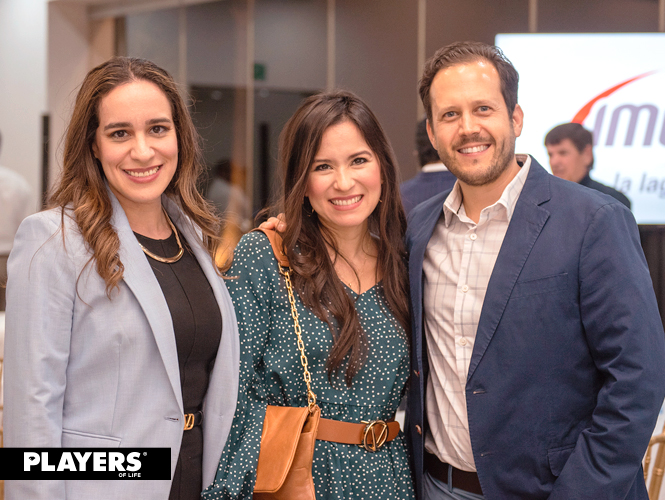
85, 371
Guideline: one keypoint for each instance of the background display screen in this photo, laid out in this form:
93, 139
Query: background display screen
614, 85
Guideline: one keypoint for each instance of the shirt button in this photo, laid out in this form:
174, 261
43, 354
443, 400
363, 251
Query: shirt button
462, 341
419, 430
465, 288
473, 236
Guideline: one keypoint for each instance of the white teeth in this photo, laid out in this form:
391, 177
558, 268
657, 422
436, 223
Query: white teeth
143, 174
475, 149
349, 201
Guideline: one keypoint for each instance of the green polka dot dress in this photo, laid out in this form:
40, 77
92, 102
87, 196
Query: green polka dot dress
271, 373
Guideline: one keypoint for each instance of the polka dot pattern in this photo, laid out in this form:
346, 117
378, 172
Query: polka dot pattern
271, 373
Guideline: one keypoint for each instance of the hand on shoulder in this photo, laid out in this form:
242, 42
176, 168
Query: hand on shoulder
276, 223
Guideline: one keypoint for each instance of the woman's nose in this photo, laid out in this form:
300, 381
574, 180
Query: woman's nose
142, 150
343, 179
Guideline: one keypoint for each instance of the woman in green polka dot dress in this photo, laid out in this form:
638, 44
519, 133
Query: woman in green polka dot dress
344, 240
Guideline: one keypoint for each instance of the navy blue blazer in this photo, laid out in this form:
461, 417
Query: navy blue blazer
568, 368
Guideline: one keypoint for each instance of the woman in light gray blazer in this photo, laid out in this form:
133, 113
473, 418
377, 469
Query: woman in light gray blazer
119, 330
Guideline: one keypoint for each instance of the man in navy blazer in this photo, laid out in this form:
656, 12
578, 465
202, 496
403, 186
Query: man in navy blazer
538, 350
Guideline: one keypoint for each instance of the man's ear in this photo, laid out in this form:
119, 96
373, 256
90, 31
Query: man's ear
430, 134
518, 120
587, 154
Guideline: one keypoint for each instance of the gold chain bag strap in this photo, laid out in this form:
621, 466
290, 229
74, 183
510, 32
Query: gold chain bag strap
284, 471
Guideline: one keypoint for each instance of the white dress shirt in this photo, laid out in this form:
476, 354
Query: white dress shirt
434, 167
458, 263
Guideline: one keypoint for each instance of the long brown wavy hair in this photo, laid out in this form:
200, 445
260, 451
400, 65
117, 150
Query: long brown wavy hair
82, 184
306, 241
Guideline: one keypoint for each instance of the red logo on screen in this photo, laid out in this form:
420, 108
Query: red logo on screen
581, 115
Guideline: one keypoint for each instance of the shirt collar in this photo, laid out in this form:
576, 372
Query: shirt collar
434, 167
508, 199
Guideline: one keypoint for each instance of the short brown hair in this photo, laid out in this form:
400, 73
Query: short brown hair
579, 136
465, 52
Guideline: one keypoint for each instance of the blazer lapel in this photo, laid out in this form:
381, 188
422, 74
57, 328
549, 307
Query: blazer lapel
525, 226
140, 279
417, 244
222, 394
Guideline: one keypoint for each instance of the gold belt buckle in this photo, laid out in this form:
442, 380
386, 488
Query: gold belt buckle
189, 421
371, 441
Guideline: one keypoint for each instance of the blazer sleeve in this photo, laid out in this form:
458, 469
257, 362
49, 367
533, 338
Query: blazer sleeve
41, 291
626, 341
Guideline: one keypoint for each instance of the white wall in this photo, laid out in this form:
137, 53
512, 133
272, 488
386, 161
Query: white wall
68, 62
46, 48
22, 86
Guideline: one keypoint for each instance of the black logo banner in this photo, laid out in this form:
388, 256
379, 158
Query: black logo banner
85, 463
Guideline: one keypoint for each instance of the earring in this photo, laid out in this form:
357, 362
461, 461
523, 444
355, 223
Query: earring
307, 207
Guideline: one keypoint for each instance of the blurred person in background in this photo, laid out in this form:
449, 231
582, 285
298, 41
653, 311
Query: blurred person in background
433, 178
233, 207
16, 203
570, 148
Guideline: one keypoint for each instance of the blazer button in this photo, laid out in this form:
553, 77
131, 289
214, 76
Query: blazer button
419, 430
416, 373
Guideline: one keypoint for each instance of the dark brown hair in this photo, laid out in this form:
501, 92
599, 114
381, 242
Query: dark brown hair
465, 52
578, 135
426, 152
306, 240
81, 186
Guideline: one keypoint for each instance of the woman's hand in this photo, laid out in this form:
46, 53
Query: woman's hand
275, 223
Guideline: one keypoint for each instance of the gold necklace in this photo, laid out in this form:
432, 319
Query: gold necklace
166, 260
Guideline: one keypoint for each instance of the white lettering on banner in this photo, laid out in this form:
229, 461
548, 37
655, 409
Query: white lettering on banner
115, 462
98, 461
29, 459
135, 463
45, 465
82, 459
67, 463
112, 461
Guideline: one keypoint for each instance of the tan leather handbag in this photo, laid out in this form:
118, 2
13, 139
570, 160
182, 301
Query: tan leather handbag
284, 471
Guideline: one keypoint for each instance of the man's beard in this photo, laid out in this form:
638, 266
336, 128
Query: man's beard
480, 175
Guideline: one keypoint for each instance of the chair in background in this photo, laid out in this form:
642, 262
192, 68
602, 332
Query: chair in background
653, 472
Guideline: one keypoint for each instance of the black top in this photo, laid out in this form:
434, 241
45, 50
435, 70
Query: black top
617, 195
197, 323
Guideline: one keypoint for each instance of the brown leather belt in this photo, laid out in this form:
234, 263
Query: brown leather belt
463, 480
370, 435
